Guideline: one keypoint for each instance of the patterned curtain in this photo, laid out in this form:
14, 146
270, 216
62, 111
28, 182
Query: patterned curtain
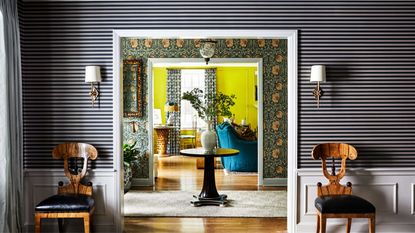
173, 96
210, 88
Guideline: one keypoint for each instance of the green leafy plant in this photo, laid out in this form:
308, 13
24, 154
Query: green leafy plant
130, 153
210, 105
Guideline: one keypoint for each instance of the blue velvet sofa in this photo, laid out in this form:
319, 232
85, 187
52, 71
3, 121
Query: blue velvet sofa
247, 159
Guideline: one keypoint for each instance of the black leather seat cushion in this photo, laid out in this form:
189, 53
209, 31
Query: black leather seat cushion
66, 203
347, 204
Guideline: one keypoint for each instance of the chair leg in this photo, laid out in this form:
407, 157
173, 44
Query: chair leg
318, 223
86, 224
60, 224
322, 224
372, 224
349, 225
91, 225
38, 222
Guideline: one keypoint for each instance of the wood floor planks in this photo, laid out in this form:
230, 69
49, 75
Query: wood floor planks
180, 173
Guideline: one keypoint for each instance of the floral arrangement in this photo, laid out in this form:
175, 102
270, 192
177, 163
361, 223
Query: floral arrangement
210, 105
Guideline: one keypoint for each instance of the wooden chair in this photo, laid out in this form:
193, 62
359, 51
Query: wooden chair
184, 138
335, 200
74, 200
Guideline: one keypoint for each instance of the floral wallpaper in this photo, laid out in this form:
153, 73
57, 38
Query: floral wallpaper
274, 55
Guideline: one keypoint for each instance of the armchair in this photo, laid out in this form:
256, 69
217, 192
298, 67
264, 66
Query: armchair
247, 159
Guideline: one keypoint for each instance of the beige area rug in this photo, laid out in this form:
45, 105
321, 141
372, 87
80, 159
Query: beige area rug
177, 204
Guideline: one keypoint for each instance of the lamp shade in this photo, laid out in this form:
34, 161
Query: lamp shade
171, 108
92, 74
318, 73
207, 48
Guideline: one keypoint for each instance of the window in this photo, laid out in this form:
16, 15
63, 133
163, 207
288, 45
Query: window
191, 78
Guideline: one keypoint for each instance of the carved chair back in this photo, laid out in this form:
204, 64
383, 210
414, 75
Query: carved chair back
334, 151
75, 151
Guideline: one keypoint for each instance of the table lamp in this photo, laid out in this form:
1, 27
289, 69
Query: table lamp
170, 108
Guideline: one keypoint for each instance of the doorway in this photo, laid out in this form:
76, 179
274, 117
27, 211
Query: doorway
292, 121
196, 65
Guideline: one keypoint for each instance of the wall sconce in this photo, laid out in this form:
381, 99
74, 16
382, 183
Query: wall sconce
207, 49
318, 74
93, 75
134, 126
170, 108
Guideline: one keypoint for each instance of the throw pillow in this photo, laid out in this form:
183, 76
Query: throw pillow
244, 132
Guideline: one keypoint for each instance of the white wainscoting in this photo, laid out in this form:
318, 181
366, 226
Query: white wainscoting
391, 191
40, 184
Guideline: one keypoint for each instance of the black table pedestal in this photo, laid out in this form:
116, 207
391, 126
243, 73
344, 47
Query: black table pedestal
209, 195
219, 201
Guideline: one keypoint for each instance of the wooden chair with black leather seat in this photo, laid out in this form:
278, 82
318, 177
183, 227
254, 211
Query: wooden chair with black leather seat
74, 200
335, 200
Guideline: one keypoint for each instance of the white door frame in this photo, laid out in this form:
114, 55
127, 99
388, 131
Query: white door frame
182, 62
290, 35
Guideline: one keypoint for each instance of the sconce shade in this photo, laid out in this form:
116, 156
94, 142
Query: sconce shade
92, 74
171, 108
318, 73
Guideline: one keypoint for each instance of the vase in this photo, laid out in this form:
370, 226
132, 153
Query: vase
128, 176
208, 138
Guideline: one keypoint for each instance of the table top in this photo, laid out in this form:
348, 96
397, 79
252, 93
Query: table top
218, 152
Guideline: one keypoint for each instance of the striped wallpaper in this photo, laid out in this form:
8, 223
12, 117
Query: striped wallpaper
368, 47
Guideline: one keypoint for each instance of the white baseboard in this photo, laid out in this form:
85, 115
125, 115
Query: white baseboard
141, 182
275, 182
53, 228
358, 227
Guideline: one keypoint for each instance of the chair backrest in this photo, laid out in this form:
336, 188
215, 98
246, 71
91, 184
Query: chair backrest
335, 151
75, 150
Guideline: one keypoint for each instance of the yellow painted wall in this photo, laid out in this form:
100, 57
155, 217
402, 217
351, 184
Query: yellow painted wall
240, 81
160, 94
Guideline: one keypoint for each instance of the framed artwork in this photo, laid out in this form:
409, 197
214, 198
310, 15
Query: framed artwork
132, 88
157, 116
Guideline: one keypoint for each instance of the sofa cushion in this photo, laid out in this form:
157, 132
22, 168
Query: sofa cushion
347, 204
66, 203
244, 132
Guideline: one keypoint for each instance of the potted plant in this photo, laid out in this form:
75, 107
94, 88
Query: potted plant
208, 106
130, 153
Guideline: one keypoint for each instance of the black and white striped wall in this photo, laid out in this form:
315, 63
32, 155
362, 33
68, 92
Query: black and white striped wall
369, 97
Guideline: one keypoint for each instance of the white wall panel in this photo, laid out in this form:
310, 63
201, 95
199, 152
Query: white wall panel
389, 191
41, 184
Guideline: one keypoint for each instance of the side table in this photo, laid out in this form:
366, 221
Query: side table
162, 136
209, 194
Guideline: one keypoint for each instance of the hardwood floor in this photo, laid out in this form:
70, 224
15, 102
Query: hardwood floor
180, 173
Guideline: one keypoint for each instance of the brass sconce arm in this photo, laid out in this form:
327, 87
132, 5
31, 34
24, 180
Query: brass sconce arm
94, 94
318, 93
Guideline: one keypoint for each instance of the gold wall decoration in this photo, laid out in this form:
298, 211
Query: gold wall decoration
133, 88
